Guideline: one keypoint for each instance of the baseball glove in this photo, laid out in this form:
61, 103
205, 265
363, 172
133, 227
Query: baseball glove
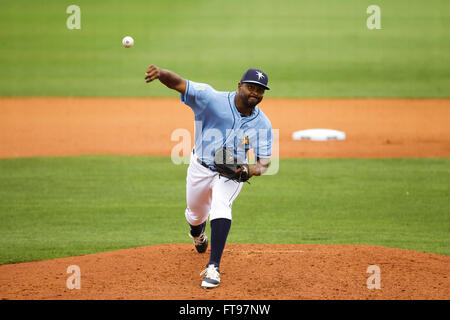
228, 166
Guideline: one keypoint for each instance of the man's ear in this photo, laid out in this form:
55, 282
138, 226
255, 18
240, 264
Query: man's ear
239, 85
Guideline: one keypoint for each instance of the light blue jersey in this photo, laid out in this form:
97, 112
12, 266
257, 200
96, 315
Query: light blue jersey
218, 123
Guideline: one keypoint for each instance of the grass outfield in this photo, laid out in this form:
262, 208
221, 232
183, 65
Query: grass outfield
55, 207
310, 48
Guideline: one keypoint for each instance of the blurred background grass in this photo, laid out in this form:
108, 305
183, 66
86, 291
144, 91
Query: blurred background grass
310, 48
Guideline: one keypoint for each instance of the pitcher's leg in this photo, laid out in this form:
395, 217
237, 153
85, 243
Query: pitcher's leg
198, 197
219, 232
198, 193
224, 193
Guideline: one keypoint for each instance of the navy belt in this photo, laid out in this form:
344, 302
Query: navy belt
202, 162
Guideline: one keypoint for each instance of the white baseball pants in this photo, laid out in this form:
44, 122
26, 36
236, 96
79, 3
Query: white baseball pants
208, 194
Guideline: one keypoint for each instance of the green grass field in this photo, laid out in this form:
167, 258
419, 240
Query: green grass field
310, 48
54, 207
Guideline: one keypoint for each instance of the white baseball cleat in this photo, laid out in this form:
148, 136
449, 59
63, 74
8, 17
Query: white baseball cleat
212, 277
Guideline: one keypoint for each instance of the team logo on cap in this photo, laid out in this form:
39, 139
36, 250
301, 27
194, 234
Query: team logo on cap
259, 74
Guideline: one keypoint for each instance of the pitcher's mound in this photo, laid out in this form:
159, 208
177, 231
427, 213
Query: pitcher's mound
172, 271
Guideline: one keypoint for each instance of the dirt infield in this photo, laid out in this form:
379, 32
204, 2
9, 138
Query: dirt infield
288, 272
375, 129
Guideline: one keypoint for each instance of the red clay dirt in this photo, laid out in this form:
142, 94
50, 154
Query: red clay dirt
270, 272
375, 128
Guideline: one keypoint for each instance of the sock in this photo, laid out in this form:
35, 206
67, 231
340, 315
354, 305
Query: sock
197, 230
219, 233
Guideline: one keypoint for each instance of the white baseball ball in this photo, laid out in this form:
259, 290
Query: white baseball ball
127, 42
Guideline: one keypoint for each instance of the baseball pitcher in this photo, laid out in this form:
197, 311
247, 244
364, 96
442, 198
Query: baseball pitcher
227, 125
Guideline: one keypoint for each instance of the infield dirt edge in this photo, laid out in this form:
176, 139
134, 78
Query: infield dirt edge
248, 272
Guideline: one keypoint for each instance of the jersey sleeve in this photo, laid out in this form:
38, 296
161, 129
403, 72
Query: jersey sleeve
197, 95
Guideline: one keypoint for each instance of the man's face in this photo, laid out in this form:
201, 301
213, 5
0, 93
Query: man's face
251, 93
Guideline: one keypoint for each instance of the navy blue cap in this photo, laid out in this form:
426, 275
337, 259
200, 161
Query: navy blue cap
256, 76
